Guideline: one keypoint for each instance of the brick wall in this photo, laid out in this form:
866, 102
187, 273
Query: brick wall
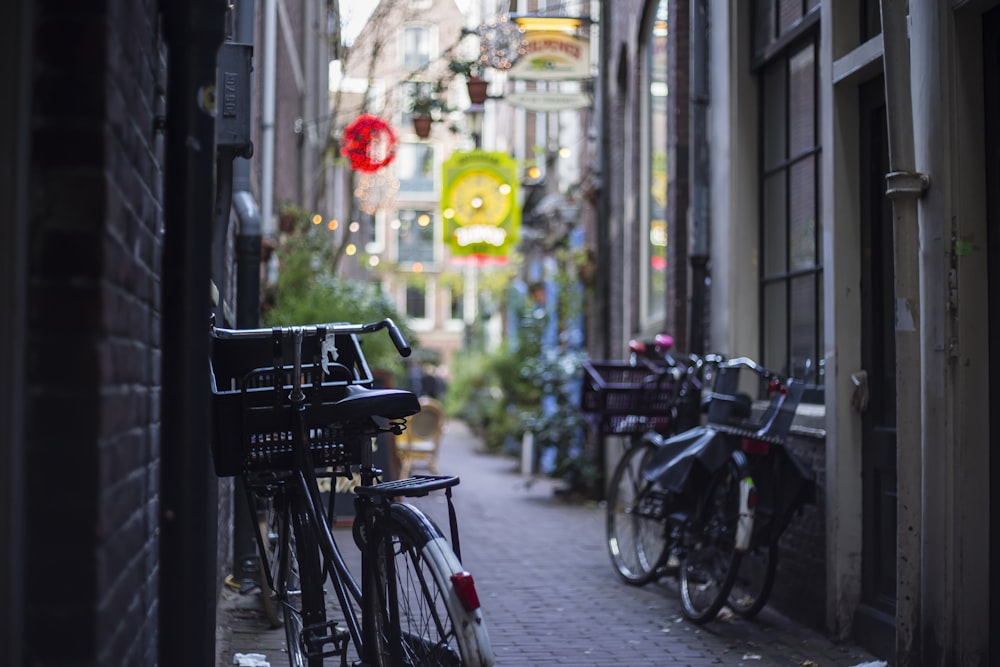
92, 397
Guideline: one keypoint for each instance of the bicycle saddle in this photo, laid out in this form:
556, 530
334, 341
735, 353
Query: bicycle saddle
363, 403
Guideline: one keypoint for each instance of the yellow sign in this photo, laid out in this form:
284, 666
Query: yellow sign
552, 56
479, 205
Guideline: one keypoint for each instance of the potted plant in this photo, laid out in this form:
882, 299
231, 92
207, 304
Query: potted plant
471, 70
422, 109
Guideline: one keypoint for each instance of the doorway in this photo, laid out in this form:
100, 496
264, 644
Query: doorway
874, 623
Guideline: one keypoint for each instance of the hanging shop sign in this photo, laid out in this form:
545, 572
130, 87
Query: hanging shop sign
547, 100
552, 56
482, 219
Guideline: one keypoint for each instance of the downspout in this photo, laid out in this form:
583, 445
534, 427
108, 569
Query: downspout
193, 31
937, 582
904, 188
248, 256
269, 57
700, 174
603, 238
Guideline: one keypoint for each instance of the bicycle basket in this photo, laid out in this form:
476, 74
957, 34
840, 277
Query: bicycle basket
731, 410
621, 396
251, 414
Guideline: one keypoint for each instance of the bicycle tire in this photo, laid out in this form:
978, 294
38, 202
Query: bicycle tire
436, 629
638, 536
711, 560
754, 580
300, 581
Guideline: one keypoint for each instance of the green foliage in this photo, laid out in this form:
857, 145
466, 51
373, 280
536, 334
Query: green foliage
307, 292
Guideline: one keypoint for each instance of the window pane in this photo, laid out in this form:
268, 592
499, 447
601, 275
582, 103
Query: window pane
775, 224
416, 236
763, 25
802, 214
774, 115
656, 222
416, 47
416, 302
802, 101
789, 12
415, 167
775, 312
803, 312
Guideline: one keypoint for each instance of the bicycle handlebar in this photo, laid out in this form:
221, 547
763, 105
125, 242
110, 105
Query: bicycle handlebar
334, 327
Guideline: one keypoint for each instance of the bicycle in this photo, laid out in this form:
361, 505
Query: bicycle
637, 550
283, 424
710, 503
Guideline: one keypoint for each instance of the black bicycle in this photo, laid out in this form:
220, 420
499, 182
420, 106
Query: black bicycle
295, 405
709, 504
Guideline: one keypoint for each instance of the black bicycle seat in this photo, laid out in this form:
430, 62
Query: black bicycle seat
362, 403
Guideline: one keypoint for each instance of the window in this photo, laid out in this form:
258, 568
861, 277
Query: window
415, 167
416, 302
791, 252
415, 236
416, 47
654, 244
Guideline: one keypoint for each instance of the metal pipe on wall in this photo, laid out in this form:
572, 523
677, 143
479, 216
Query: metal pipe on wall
269, 57
904, 188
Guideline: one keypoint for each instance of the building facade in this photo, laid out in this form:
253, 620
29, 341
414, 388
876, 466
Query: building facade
851, 192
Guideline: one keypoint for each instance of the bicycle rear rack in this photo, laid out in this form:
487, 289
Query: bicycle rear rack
411, 487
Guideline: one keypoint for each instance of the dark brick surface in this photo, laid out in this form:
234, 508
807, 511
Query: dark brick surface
550, 596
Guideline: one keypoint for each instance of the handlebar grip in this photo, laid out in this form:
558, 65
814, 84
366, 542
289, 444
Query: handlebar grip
397, 338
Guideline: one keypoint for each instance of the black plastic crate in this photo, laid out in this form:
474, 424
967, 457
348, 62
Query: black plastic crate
251, 413
622, 398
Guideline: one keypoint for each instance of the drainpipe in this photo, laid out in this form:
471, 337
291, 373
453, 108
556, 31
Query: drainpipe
938, 613
248, 256
700, 174
269, 56
904, 187
602, 311
193, 30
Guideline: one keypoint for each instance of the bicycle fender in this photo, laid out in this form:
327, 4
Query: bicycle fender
744, 525
473, 639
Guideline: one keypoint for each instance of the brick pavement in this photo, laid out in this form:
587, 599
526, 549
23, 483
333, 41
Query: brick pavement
550, 596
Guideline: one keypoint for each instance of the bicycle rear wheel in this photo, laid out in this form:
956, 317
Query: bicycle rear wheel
754, 579
637, 531
711, 559
440, 621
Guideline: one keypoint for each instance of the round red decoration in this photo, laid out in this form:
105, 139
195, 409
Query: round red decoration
369, 143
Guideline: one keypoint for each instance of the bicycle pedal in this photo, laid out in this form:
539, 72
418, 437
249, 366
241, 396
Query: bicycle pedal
325, 640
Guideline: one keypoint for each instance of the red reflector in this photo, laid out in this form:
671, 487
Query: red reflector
465, 587
752, 498
757, 447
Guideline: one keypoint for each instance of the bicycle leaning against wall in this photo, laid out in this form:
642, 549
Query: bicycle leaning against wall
294, 405
709, 504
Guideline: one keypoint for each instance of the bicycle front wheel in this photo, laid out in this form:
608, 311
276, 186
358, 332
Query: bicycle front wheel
440, 622
710, 558
637, 531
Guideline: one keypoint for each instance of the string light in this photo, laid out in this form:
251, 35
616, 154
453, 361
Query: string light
500, 43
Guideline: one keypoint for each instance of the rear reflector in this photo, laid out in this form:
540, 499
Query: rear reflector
465, 587
757, 447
